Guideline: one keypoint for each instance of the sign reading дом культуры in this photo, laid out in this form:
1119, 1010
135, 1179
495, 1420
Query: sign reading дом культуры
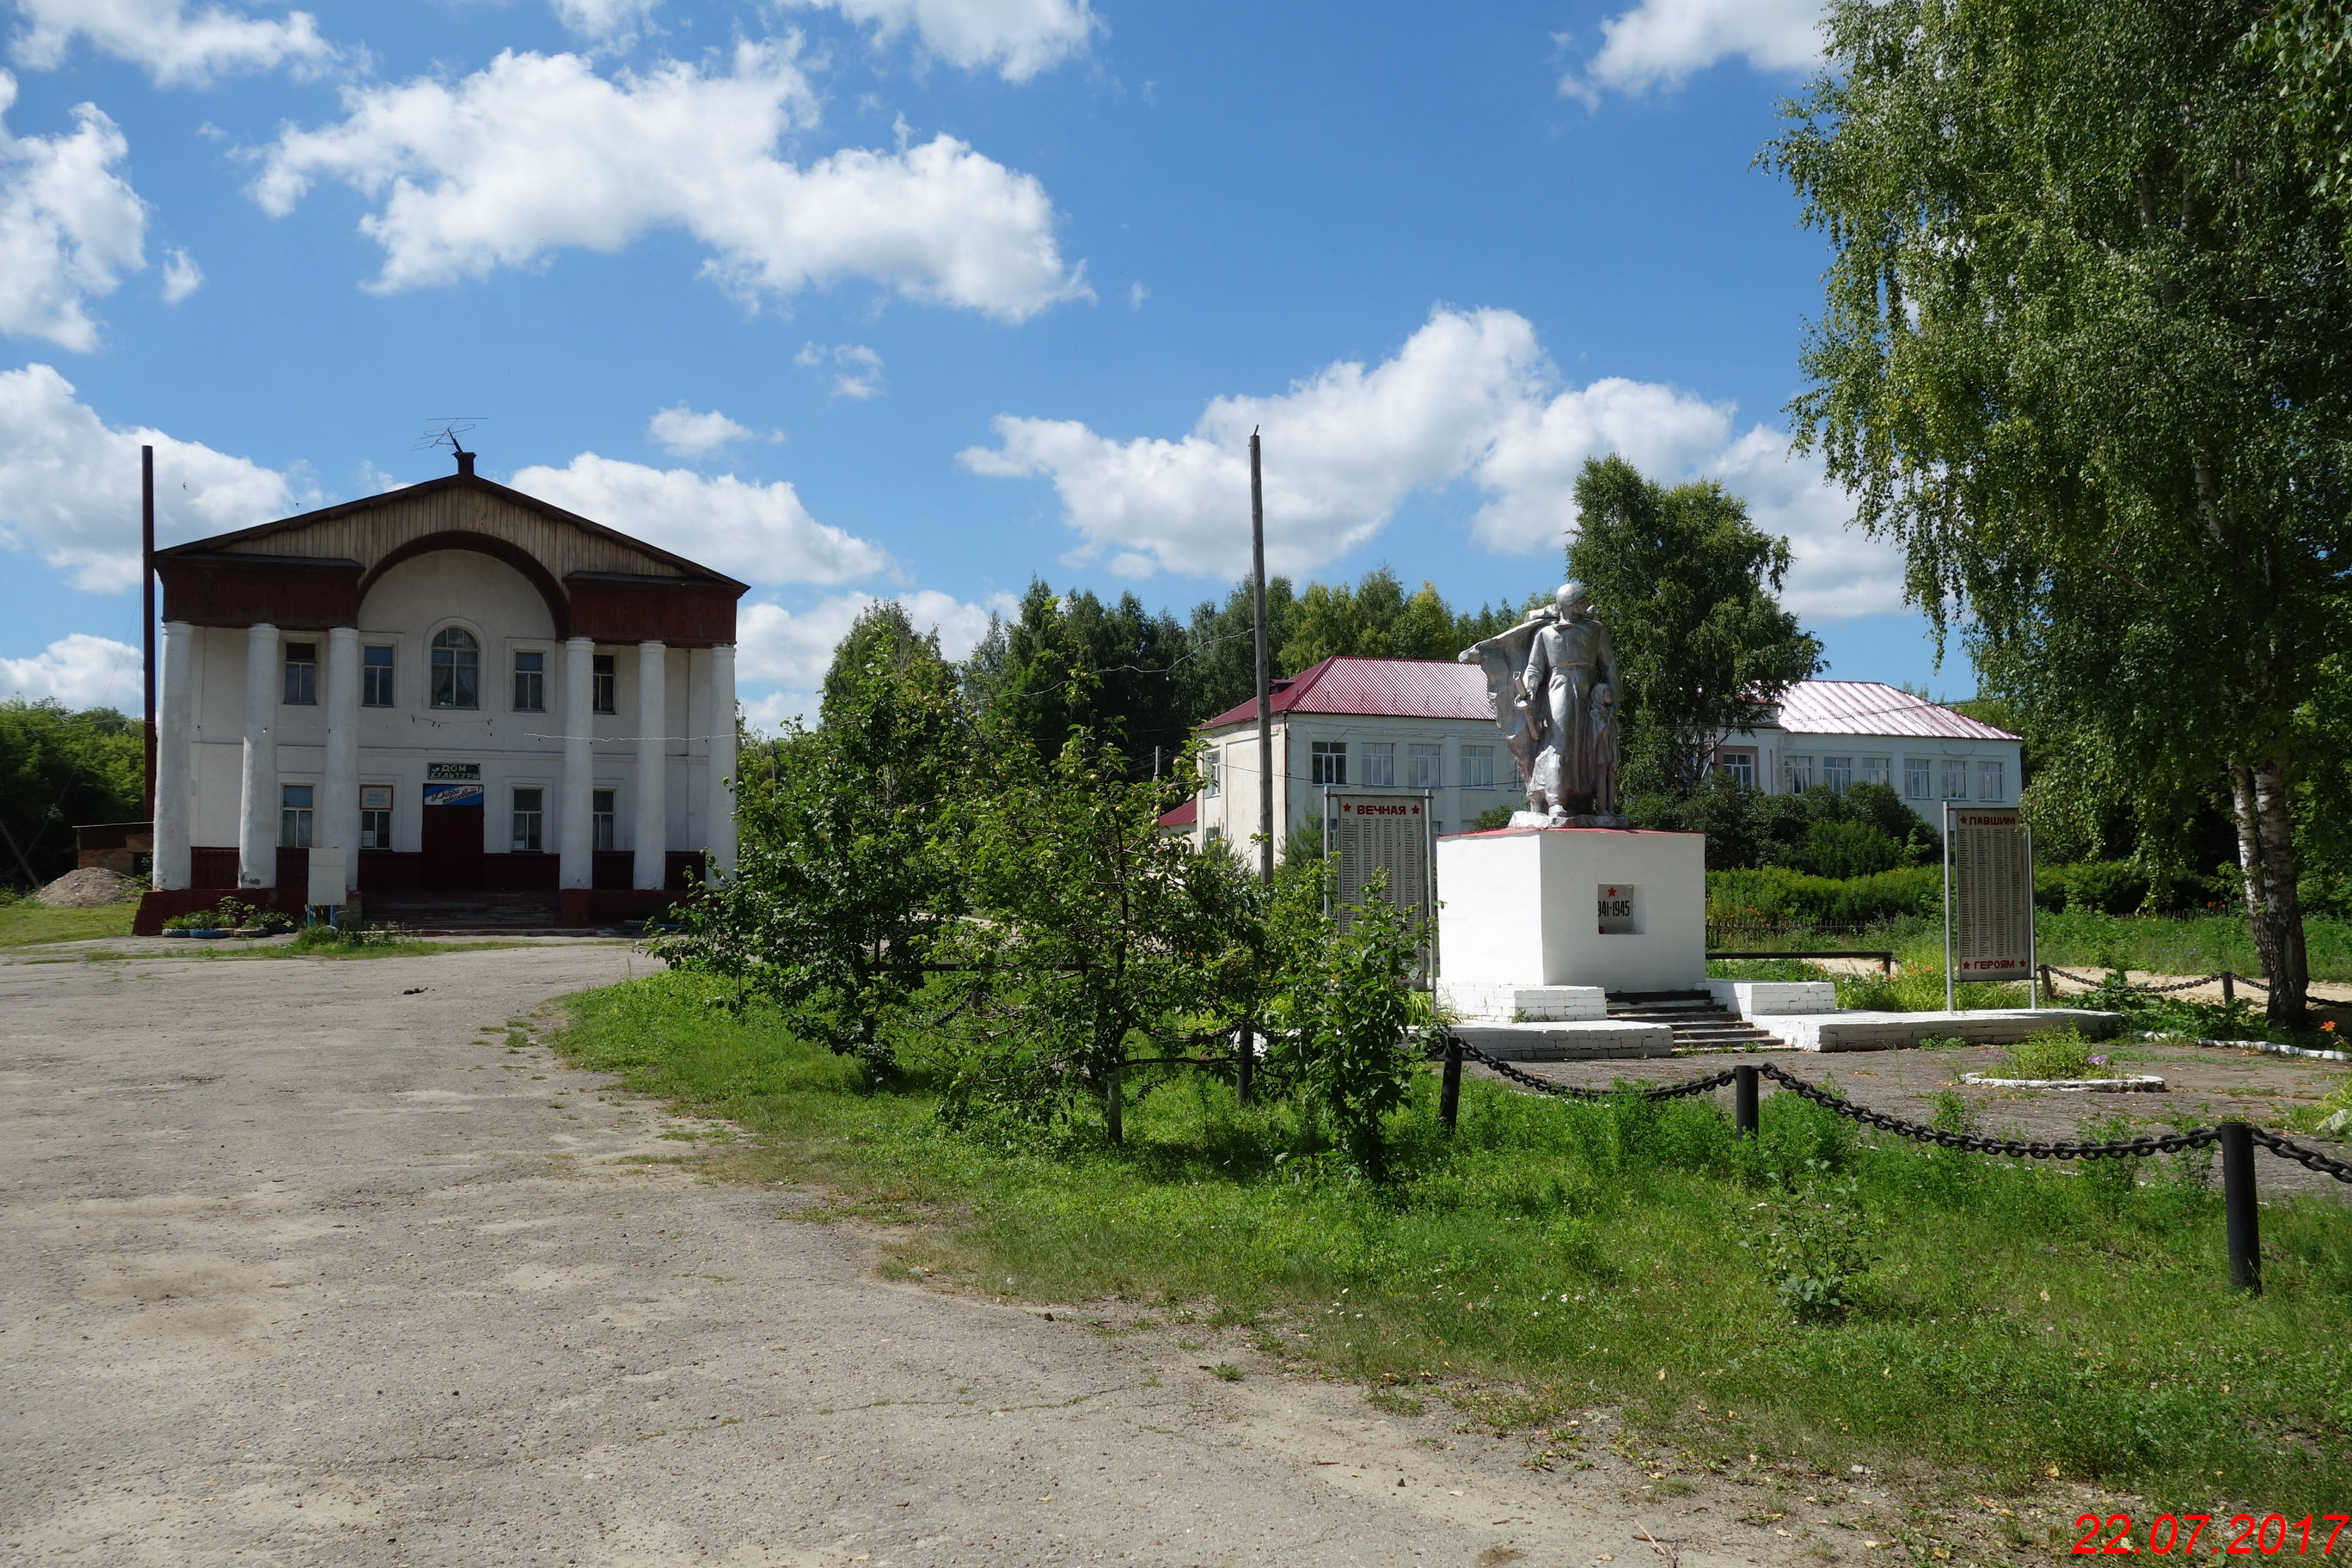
1374, 833
1989, 859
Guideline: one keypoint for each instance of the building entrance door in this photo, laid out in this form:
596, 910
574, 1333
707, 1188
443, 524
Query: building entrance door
453, 838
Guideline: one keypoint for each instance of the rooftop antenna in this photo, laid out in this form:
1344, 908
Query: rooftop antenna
444, 430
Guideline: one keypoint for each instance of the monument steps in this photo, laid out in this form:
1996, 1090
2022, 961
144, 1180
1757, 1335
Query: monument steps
1700, 1023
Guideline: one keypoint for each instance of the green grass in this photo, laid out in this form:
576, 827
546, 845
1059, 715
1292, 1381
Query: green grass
2017, 1320
24, 922
2084, 940
2199, 944
2061, 1054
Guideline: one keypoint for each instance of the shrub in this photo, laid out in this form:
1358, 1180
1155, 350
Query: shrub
1849, 849
2054, 1054
1771, 895
1813, 1246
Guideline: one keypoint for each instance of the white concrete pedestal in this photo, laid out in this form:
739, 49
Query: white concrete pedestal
1523, 908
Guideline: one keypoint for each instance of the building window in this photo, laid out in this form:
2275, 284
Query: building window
1955, 778
1328, 762
457, 669
529, 816
1478, 767
302, 674
1837, 772
1874, 770
600, 819
1422, 765
1380, 762
375, 816
294, 813
1989, 781
1215, 776
1740, 765
1914, 777
1216, 834
604, 684
531, 682
1796, 775
375, 677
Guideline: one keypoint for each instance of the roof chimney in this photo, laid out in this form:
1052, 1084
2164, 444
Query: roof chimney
465, 465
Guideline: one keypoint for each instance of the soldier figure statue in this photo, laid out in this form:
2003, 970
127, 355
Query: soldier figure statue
1555, 684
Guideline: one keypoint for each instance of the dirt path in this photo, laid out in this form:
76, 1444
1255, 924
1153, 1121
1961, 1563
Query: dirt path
306, 1266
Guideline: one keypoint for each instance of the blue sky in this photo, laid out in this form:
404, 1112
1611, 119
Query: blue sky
917, 297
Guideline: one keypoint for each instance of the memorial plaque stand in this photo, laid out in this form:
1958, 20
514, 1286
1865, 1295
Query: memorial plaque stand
1988, 897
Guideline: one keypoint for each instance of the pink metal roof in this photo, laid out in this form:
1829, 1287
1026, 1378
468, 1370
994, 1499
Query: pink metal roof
1381, 688
1184, 815
1873, 708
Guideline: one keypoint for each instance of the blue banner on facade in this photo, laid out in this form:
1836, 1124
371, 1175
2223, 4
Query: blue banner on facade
452, 794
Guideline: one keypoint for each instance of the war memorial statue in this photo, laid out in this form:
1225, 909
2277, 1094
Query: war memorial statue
1555, 685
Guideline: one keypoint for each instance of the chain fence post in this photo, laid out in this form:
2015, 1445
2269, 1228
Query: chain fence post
2238, 1203
2228, 989
2049, 992
1743, 1101
1449, 1086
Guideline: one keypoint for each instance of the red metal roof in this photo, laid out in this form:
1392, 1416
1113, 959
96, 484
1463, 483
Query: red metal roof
1381, 688
1442, 688
1183, 815
1873, 707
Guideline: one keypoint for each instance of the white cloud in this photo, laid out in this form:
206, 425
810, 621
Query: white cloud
1659, 42
537, 151
1019, 37
858, 370
683, 433
181, 276
70, 226
759, 533
1471, 398
70, 486
177, 50
605, 19
1135, 295
773, 645
79, 671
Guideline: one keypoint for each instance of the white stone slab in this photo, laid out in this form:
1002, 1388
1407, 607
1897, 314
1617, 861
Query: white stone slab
1521, 907
1498, 1002
1773, 998
1570, 1041
1896, 1031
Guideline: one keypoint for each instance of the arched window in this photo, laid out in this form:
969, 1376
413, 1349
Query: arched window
457, 669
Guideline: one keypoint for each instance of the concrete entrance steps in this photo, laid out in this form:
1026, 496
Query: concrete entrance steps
473, 914
1700, 1023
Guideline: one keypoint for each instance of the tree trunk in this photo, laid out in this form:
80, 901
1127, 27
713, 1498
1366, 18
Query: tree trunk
2274, 920
2290, 975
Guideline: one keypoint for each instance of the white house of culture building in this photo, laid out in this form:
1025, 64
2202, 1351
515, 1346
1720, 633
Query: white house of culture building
464, 689
1408, 725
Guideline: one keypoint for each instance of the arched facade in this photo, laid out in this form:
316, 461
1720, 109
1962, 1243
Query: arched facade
571, 739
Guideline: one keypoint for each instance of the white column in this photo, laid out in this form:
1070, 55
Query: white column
174, 796
720, 817
338, 811
257, 834
652, 766
577, 840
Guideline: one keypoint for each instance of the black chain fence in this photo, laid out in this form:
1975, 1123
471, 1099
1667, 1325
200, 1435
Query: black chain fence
1919, 1132
2110, 984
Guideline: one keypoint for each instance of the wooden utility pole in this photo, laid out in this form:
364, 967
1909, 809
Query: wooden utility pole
1265, 726
147, 599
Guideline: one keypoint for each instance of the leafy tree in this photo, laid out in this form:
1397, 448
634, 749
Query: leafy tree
1377, 619
1095, 933
1348, 1044
1068, 663
2307, 44
841, 884
1221, 668
58, 769
1687, 585
2081, 354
